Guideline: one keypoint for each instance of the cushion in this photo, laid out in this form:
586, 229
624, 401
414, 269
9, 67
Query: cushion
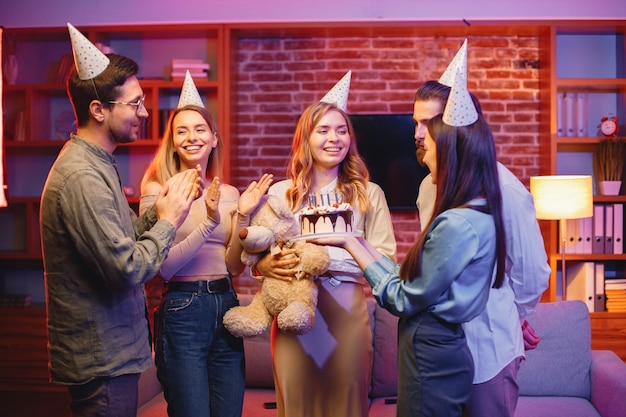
561, 363
548, 406
385, 362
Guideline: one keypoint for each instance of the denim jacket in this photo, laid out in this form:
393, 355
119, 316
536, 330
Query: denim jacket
97, 256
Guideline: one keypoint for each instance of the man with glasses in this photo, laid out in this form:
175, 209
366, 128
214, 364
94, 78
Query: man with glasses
97, 254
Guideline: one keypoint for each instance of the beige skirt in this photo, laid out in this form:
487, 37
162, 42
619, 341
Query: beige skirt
327, 371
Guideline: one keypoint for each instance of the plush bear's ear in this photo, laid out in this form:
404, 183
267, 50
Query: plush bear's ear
256, 238
279, 206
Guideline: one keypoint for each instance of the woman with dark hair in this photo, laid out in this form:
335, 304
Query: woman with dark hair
445, 278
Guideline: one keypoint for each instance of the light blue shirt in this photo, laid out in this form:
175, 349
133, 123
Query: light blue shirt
457, 265
495, 336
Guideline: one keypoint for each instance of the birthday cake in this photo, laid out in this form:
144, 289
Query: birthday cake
332, 218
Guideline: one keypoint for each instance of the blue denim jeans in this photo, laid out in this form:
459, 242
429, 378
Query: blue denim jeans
199, 363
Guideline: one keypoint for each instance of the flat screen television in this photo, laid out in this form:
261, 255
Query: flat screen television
387, 144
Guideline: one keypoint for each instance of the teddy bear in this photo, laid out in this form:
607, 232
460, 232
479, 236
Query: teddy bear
293, 302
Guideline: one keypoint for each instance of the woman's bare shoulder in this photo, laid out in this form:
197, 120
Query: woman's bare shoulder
229, 192
151, 188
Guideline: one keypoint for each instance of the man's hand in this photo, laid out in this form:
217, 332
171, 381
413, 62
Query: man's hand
531, 340
175, 198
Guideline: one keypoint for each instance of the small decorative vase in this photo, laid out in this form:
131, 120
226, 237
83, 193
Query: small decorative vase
10, 69
610, 187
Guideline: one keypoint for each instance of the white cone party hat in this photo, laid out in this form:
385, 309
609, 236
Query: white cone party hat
89, 60
458, 62
338, 95
460, 109
189, 94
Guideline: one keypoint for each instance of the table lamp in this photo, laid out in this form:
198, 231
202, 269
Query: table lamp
562, 197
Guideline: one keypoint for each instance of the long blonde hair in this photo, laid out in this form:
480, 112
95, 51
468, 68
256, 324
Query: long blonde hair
353, 174
166, 162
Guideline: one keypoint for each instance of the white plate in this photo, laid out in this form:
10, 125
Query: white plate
320, 235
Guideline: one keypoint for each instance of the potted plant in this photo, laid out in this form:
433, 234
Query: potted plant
608, 164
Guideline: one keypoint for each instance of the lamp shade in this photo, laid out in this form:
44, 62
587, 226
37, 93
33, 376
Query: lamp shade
562, 196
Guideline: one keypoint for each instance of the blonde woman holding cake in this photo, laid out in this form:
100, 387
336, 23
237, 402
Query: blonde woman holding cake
326, 372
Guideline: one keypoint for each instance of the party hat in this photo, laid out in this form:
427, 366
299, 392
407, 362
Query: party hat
189, 93
90, 62
338, 95
460, 109
458, 62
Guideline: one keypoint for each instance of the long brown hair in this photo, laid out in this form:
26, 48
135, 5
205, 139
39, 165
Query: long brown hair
353, 173
466, 169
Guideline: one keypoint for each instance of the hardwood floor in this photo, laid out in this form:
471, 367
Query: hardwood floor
34, 404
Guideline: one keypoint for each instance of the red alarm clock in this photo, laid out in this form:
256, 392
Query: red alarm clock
609, 126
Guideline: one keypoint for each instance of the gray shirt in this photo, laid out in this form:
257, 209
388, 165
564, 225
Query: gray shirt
97, 255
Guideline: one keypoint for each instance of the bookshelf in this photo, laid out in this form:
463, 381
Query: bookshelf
38, 119
38, 116
589, 61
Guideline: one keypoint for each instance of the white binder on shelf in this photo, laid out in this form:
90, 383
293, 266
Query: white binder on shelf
571, 236
569, 122
581, 114
600, 299
598, 228
581, 283
560, 108
587, 233
608, 228
578, 236
618, 228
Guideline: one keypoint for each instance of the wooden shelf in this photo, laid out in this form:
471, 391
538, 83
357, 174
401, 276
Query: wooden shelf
23, 350
608, 332
591, 84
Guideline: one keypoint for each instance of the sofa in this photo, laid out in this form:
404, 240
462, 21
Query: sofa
561, 377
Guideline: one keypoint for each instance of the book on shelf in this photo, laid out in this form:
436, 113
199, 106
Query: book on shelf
581, 283
190, 64
20, 127
66, 66
180, 75
572, 110
15, 300
164, 115
599, 296
197, 68
615, 293
601, 234
192, 67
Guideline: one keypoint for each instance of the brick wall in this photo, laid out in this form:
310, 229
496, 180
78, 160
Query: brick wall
277, 78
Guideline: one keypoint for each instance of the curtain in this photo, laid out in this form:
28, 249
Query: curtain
3, 200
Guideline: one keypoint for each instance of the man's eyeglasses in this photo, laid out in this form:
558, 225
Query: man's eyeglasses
136, 104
